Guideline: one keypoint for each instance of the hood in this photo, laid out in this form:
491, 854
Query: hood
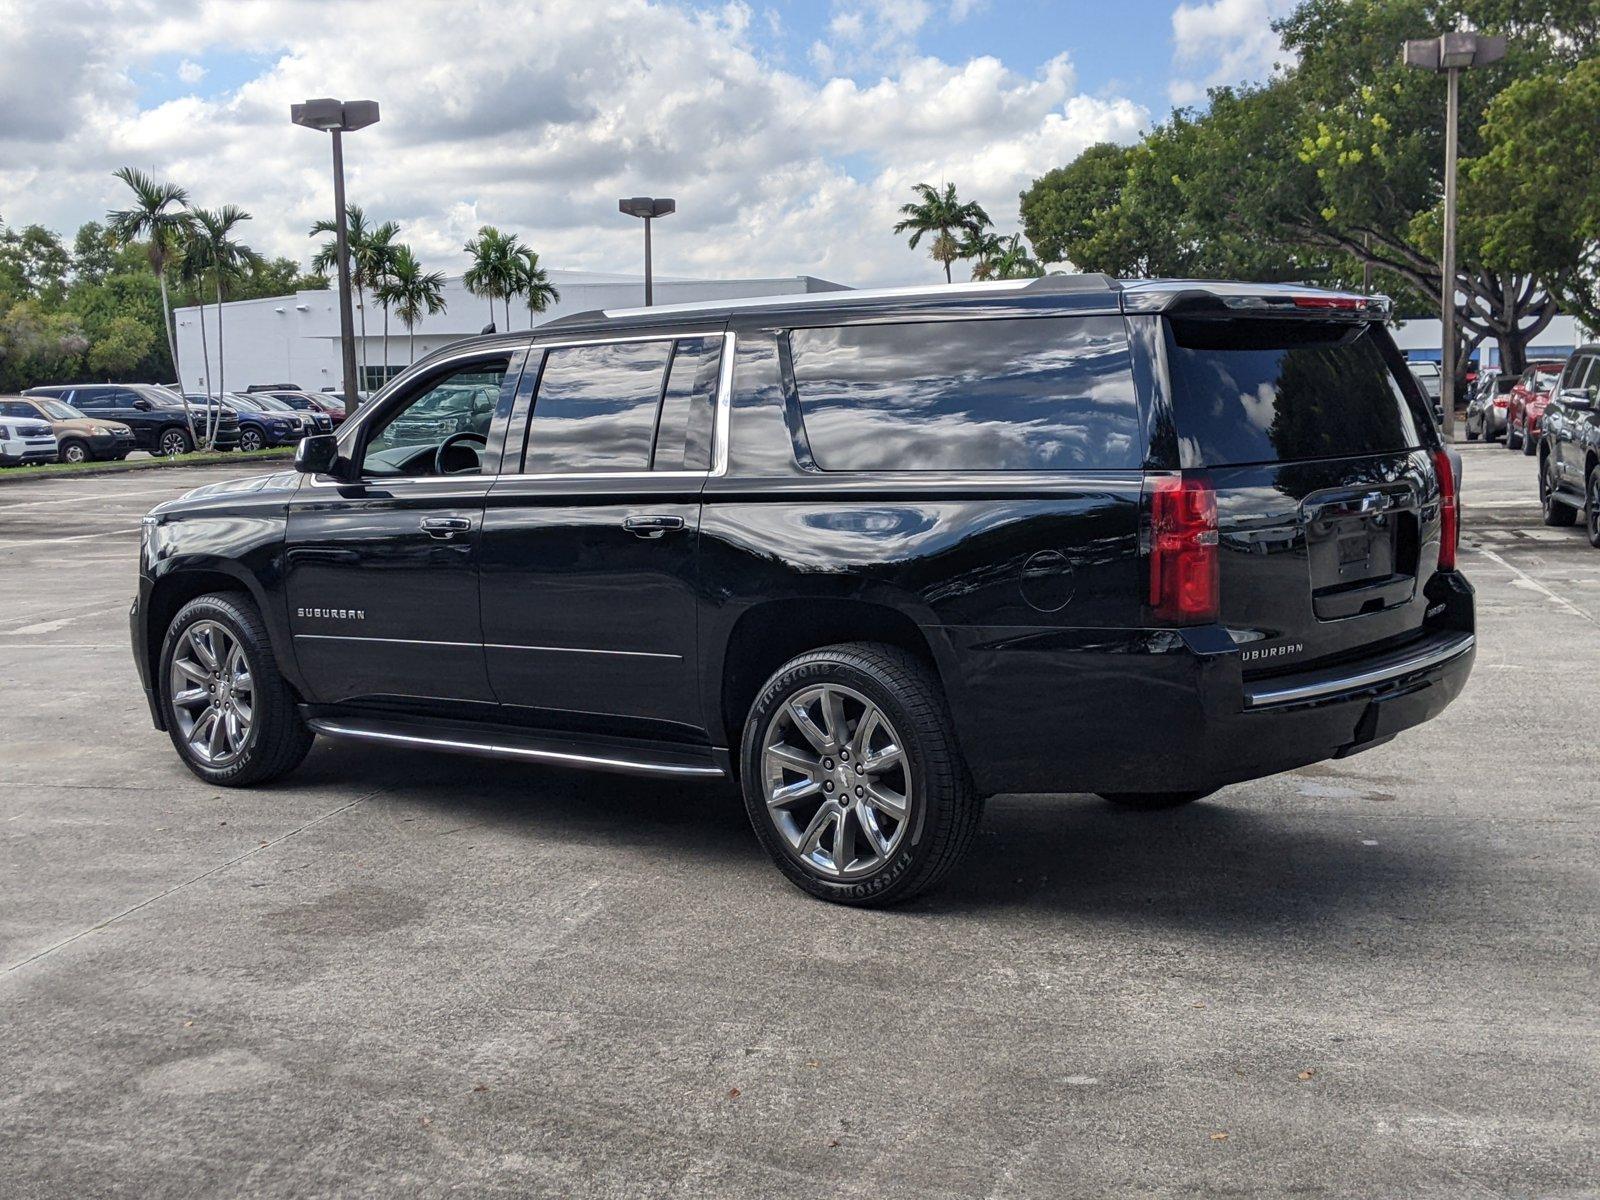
278, 484
86, 425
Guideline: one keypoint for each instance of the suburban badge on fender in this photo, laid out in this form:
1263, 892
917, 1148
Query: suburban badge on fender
336, 614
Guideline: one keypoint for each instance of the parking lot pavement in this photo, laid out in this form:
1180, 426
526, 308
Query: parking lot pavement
400, 974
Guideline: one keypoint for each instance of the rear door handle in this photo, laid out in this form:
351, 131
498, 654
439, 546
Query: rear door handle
445, 527
651, 527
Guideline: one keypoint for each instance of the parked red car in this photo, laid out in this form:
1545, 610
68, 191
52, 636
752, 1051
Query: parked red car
1527, 403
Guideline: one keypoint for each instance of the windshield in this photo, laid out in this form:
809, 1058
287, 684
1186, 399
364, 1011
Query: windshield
58, 410
1262, 391
271, 404
248, 403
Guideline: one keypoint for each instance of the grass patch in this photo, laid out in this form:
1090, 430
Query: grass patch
197, 459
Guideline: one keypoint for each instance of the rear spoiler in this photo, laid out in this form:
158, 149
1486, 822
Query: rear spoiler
1321, 306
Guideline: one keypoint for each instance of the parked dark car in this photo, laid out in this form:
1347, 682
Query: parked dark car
1526, 404
78, 438
307, 402
1569, 450
25, 440
258, 428
155, 414
875, 556
1486, 411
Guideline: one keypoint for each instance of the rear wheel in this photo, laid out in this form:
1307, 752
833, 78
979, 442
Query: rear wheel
1472, 434
1154, 801
1513, 441
1592, 507
230, 715
1530, 447
852, 776
74, 450
1555, 512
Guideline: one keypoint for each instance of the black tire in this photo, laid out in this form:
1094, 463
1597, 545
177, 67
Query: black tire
1591, 520
943, 810
174, 440
1529, 446
1154, 801
1472, 434
1555, 513
1513, 442
74, 450
277, 739
251, 439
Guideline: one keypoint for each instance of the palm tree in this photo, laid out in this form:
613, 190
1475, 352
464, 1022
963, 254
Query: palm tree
944, 216
411, 291
192, 268
533, 284
1014, 261
326, 261
982, 246
226, 259
377, 250
493, 273
157, 217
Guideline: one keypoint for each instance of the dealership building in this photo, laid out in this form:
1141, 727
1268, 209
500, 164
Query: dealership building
295, 339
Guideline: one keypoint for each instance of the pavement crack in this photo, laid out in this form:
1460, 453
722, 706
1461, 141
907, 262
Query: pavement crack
190, 882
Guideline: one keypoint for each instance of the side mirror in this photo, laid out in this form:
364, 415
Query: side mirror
317, 454
142, 404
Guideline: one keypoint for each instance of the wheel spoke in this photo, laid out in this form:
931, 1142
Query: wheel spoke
190, 670
885, 801
883, 760
200, 734
807, 727
242, 707
215, 741
202, 648
869, 827
818, 825
234, 729
833, 716
188, 696
844, 840
795, 760
871, 722
792, 793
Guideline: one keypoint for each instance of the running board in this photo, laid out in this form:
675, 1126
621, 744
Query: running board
603, 756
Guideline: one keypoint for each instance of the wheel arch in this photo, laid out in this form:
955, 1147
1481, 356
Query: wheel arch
175, 587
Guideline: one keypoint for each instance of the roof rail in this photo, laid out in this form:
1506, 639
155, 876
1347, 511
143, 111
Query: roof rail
1087, 281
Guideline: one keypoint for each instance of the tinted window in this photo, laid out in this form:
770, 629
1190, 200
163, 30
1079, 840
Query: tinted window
1039, 394
15, 408
595, 409
683, 433
458, 409
1254, 391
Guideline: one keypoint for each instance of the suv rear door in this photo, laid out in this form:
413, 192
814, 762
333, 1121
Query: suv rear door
589, 550
1314, 435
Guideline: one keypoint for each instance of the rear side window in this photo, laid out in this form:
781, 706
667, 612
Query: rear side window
15, 408
683, 431
1031, 394
596, 407
1263, 391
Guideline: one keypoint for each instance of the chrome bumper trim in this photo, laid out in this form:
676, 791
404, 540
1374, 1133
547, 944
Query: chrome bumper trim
1437, 653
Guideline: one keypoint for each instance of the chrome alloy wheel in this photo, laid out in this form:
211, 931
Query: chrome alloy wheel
837, 781
213, 694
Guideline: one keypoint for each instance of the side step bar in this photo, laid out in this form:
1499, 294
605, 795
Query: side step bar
594, 756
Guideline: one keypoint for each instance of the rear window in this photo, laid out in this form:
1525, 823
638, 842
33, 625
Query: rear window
1030, 394
1262, 391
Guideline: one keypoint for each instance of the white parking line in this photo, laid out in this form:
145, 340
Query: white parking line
56, 541
79, 499
1529, 583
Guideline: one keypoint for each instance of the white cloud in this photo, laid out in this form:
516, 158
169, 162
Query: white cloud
536, 118
1226, 42
191, 72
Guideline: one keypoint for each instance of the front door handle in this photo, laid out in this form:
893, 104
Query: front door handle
445, 527
651, 527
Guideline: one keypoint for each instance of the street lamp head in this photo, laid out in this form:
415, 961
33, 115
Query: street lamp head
647, 206
1455, 51
327, 114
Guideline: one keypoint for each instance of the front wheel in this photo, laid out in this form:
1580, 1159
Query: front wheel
229, 712
1154, 801
74, 450
1513, 442
175, 441
1591, 520
1530, 445
852, 776
250, 439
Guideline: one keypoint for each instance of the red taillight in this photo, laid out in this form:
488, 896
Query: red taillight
1501, 402
1183, 549
1449, 511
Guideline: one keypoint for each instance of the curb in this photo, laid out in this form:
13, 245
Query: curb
18, 475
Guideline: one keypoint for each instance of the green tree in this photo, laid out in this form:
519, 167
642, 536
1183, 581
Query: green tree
157, 218
33, 264
1531, 200
326, 262
412, 292
981, 247
1064, 210
533, 284
38, 346
946, 217
1014, 261
120, 347
93, 253
377, 252
493, 273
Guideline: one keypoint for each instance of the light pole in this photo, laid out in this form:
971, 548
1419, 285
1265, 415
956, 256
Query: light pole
648, 207
1451, 53
339, 117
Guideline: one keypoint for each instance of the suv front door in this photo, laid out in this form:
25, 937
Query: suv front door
382, 564
589, 563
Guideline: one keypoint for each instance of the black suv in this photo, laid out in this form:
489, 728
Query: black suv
155, 414
1569, 448
875, 556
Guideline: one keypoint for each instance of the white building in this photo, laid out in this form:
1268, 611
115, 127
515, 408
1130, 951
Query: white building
1420, 340
295, 339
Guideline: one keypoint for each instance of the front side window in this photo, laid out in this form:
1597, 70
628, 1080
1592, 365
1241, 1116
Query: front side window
441, 430
596, 406
1025, 394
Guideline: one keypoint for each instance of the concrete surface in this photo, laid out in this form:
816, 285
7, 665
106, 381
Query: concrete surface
399, 974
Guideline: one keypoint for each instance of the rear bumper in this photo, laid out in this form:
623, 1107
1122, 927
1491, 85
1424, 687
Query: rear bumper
1052, 711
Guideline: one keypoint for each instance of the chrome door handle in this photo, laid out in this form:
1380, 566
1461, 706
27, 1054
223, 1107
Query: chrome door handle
445, 527
651, 527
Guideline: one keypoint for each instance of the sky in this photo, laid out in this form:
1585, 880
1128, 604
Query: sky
788, 131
